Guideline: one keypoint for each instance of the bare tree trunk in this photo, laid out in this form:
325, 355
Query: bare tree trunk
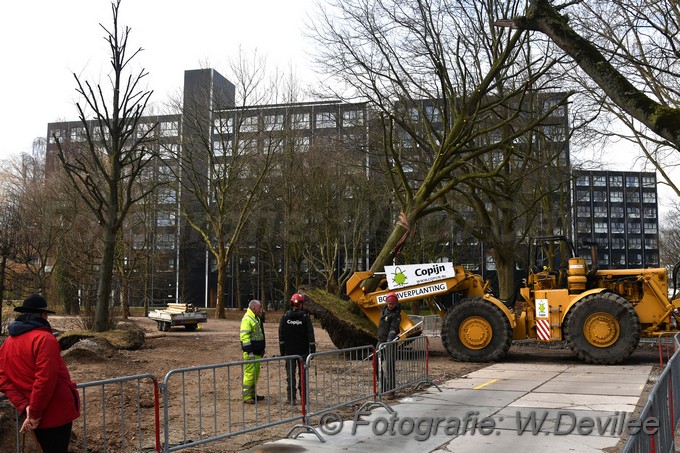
505, 270
221, 285
101, 320
125, 299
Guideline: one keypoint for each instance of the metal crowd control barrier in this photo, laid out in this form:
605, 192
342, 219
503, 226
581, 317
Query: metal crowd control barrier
403, 363
124, 410
335, 379
431, 324
663, 403
205, 404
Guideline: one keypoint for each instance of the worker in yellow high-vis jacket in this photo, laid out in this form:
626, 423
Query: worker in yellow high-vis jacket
252, 344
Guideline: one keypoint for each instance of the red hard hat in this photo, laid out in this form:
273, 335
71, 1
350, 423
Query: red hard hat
391, 297
296, 300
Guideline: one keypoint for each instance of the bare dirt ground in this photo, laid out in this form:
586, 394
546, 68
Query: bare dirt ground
217, 342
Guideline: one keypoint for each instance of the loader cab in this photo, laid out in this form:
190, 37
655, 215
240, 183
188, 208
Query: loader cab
554, 265
549, 261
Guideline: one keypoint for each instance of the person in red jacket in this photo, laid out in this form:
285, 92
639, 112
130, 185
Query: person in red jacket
34, 377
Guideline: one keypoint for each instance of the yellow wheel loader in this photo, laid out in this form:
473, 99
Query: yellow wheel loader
601, 314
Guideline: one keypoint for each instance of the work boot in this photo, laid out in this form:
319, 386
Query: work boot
249, 401
260, 397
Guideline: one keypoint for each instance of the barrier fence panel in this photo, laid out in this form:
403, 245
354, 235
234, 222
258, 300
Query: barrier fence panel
431, 324
663, 404
205, 404
119, 414
339, 378
402, 363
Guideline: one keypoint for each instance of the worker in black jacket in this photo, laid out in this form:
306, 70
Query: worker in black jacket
388, 330
296, 337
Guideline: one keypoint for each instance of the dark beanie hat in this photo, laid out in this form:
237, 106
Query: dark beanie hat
35, 303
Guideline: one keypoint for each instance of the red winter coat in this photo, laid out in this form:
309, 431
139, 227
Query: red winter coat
33, 373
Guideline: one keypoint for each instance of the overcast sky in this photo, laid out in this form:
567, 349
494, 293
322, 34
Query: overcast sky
43, 42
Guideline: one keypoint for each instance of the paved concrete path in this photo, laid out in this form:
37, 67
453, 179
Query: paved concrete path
509, 406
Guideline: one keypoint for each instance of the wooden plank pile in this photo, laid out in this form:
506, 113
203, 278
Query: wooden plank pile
179, 308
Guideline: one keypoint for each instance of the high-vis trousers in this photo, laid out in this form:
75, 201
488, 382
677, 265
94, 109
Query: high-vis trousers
251, 372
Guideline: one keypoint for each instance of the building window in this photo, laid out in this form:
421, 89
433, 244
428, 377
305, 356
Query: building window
599, 196
56, 134
616, 211
352, 118
165, 173
634, 228
144, 130
633, 197
633, 212
582, 195
599, 181
555, 133
300, 121
648, 181
222, 148
618, 227
326, 120
78, 134
648, 197
250, 124
616, 181
170, 151
223, 126
600, 227
273, 145
651, 243
169, 129
167, 195
165, 242
301, 144
600, 211
632, 181
650, 213
635, 259
273, 122
618, 243
634, 243
165, 219
583, 211
433, 113
583, 181
650, 227
616, 197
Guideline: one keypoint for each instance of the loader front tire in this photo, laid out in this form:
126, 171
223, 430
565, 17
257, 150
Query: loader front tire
475, 330
602, 329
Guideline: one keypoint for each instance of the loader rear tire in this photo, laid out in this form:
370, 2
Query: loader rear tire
475, 330
602, 329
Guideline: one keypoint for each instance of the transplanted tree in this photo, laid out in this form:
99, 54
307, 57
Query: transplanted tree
630, 51
445, 80
104, 167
